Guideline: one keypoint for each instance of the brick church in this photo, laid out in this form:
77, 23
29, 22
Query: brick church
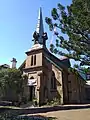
47, 75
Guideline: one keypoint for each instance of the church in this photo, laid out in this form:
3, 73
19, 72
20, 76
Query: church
48, 76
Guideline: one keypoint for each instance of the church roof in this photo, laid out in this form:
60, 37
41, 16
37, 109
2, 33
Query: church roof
60, 64
40, 28
34, 47
83, 75
38, 34
63, 64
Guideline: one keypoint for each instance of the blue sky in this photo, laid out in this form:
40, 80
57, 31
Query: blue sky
18, 20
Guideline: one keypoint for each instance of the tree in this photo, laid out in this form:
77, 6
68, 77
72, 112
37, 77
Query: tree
11, 83
73, 21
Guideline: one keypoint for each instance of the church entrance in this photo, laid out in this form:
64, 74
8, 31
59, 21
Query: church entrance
32, 92
32, 85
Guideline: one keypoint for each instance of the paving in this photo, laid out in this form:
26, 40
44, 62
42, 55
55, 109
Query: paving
63, 112
80, 114
66, 112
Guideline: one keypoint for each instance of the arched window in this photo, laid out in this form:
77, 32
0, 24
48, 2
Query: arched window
54, 86
53, 81
34, 59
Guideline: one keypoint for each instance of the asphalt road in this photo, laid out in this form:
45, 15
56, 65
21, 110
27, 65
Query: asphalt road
80, 114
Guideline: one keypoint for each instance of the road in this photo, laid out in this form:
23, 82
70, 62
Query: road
80, 114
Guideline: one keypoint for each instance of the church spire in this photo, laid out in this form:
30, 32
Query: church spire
40, 28
39, 35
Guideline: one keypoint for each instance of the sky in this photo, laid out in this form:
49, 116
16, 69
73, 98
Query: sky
18, 20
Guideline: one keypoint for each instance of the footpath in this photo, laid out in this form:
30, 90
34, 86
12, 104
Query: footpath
43, 109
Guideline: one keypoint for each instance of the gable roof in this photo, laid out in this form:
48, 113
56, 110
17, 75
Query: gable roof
60, 64
63, 63
82, 74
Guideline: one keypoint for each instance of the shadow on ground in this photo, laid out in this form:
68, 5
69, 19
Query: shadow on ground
32, 113
43, 110
9, 115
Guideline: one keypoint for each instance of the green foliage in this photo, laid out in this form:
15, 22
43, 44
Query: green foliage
10, 80
73, 21
54, 102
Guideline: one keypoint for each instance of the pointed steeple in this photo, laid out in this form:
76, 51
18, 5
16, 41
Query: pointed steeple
40, 29
39, 35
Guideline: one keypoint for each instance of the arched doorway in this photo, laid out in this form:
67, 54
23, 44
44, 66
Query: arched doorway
31, 88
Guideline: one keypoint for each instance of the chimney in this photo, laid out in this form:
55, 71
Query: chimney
13, 63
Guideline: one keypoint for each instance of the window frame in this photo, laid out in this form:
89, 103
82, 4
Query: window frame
33, 60
53, 82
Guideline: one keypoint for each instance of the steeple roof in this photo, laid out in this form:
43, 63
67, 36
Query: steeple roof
40, 28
